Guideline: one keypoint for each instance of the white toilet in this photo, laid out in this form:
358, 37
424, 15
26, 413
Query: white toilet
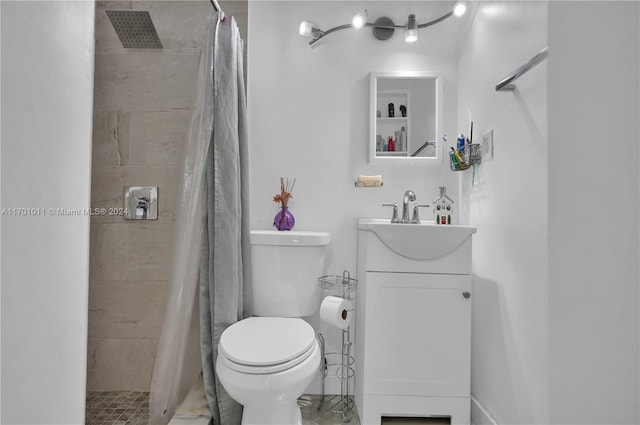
265, 363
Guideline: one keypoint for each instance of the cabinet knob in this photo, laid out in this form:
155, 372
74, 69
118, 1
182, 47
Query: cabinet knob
466, 294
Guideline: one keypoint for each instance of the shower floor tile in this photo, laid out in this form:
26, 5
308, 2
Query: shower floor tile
117, 408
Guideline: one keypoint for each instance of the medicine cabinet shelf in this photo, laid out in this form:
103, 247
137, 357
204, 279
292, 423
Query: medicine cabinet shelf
394, 153
390, 121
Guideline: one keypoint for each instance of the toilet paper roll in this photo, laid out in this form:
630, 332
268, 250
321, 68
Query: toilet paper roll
336, 311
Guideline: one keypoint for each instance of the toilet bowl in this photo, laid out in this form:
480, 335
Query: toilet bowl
265, 364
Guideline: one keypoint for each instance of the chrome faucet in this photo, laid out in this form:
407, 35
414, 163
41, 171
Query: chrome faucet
408, 197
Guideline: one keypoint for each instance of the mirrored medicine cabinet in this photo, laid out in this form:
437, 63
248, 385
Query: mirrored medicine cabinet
405, 118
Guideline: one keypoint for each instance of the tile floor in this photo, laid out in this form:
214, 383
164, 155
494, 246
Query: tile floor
313, 413
131, 408
117, 408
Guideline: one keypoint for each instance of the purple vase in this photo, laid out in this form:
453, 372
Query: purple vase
284, 220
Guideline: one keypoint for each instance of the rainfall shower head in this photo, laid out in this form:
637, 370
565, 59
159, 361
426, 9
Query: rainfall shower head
135, 29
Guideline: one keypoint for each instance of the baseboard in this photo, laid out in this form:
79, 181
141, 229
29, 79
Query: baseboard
480, 415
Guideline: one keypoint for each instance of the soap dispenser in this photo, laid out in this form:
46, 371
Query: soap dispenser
443, 207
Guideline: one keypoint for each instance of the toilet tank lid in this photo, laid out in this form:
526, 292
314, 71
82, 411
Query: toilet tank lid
291, 237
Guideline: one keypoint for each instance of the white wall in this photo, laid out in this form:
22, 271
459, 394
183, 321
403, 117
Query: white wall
555, 319
593, 255
508, 204
308, 114
47, 81
0, 202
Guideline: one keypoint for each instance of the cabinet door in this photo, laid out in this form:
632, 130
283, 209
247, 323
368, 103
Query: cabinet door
417, 338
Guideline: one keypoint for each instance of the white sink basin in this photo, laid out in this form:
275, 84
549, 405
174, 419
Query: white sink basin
424, 241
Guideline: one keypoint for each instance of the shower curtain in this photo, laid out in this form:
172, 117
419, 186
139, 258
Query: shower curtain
211, 253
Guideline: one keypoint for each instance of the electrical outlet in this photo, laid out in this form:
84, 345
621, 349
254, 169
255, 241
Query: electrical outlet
487, 145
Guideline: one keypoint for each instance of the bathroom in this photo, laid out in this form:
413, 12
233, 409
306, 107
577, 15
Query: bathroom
555, 317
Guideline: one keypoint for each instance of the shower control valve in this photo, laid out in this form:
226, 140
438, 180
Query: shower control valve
141, 203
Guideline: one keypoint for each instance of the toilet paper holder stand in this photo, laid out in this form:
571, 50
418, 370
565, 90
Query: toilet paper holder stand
342, 286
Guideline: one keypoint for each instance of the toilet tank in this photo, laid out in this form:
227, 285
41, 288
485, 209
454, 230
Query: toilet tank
285, 267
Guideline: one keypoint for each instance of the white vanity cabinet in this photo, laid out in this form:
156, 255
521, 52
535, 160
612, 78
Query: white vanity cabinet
413, 321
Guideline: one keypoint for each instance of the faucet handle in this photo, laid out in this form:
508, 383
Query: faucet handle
416, 217
394, 217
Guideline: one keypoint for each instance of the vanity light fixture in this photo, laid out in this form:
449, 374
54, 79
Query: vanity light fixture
383, 27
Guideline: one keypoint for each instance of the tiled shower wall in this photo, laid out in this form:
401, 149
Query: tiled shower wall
142, 111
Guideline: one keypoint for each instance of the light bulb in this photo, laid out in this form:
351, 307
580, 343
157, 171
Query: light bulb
459, 8
306, 28
311, 30
360, 19
411, 33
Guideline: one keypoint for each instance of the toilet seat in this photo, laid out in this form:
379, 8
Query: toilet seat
262, 345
